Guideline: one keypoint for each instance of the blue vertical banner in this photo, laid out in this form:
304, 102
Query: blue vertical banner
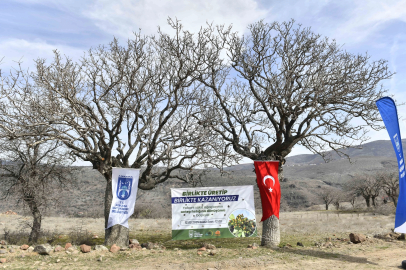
389, 114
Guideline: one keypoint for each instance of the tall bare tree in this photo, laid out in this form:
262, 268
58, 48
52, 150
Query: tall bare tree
34, 174
389, 181
282, 85
122, 106
327, 195
367, 186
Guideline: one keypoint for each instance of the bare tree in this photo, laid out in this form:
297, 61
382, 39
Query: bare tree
327, 195
124, 107
34, 175
284, 85
367, 186
389, 181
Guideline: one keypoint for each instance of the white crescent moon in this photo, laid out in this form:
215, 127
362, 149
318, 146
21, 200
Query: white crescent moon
268, 176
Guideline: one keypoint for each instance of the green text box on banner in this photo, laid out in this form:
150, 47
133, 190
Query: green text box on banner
213, 212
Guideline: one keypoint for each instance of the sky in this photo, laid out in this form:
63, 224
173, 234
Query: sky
31, 29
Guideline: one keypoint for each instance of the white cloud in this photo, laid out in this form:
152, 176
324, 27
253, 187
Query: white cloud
123, 17
20, 49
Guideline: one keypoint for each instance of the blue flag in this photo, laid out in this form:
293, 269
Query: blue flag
389, 114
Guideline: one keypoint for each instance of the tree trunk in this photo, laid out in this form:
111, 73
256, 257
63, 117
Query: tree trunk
36, 224
395, 200
326, 206
271, 236
116, 234
373, 201
367, 201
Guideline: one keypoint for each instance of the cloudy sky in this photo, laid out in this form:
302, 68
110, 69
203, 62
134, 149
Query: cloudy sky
33, 28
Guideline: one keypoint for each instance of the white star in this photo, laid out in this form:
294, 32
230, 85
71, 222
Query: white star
270, 189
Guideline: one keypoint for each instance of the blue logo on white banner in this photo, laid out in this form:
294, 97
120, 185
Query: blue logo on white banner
124, 185
389, 114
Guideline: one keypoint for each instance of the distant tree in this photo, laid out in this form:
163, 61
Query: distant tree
281, 85
34, 174
367, 186
389, 182
327, 195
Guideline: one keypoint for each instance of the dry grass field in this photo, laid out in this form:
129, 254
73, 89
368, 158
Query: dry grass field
318, 231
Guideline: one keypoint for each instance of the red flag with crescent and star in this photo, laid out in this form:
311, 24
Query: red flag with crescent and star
269, 187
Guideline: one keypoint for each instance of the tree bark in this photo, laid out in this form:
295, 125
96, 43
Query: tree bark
116, 234
36, 224
367, 201
271, 236
395, 200
326, 206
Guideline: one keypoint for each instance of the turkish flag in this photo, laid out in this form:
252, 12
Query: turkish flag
269, 187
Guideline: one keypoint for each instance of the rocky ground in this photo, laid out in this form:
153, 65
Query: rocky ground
309, 240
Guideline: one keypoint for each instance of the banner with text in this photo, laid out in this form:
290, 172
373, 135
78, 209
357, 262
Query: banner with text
124, 188
213, 212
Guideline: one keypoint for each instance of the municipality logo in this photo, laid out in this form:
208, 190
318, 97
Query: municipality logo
124, 186
396, 140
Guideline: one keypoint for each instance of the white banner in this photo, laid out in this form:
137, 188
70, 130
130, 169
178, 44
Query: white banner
213, 212
124, 187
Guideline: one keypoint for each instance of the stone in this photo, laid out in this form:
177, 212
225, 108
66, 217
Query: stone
24, 247
3, 260
212, 252
58, 249
161, 251
199, 253
114, 248
135, 246
58, 260
95, 236
357, 238
300, 244
30, 249
85, 248
43, 249
3, 242
100, 248
71, 249
100, 259
254, 247
75, 252
134, 241
202, 249
123, 248
11, 250
68, 245
176, 249
3, 251
327, 244
209, 246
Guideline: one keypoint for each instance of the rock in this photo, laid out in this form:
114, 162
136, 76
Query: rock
3, 260
176, 249
161, 251
150, 245
402, 237
199, 253
68, 245
134, 241
71, 249
212, 252
123, 248
58, 249
75, 251
300, 244
58, 260
254, 247
114, 248
100, 259
24, 247
85, 248
3, 242
100, 248
95, 236
357, 238
209, 246
135, 246
202, 249
3, 251
327, 244
11, 250
43, 249
30, 249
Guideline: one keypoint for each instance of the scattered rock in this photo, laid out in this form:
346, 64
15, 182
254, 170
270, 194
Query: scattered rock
95, 236
3, 260
3, 242
71, 249
134, 241
123, 248
357, 238
24, 247
85, 248
75, 251
176, 249
58, 249
300, 244
209, 246
254, 247
58, 260
161, 251
43, 249
68, 245
114, 248
11, 250
100, 248
135, 246
202, 249
2, 251
212, 252
327, 244
22, 256
30, 249
100, 259
199, 253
